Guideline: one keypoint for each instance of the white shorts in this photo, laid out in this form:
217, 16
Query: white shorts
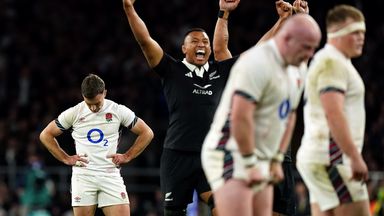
90, 190
330, 186
219, 166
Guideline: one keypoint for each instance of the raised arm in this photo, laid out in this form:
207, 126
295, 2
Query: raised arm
301, 6
151, 49
221, 35
284, 10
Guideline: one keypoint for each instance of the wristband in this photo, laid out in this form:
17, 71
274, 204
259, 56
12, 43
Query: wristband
279, 157
223, 14
249, 160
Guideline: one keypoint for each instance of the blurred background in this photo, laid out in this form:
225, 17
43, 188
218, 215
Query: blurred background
48, 46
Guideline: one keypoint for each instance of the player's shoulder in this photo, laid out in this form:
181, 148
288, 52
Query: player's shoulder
264, 55
112, 106
329, 54
77, 108
260, 59
72, 113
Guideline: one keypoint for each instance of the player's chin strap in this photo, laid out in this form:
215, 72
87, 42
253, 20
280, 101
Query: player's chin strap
355, 26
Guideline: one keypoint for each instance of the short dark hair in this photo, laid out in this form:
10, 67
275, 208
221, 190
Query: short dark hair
341, 13
92, 85
193, 30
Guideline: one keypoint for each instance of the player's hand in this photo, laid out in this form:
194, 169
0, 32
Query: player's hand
228, 5
128, 3
284, 9
359, 169
276, 172
254, 176
79, 160
301, 6
119, 159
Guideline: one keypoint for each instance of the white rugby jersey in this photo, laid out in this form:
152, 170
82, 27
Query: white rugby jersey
297, 78
96, 134
330, 69
261, 75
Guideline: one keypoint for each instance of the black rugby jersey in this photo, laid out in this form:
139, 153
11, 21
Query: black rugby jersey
192, 100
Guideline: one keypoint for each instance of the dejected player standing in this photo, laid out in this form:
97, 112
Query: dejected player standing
95, 125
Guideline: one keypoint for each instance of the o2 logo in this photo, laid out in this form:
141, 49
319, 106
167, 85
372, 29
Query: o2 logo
101, 137
284, 109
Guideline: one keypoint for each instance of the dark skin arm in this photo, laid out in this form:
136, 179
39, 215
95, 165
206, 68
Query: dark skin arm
150, 48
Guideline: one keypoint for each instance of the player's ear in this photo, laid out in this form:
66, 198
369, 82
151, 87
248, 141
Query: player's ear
105, 92
183, 49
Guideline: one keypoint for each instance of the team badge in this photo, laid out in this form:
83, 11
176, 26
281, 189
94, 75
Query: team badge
123, 195
108, 117
77, 199
298, 83
213, 75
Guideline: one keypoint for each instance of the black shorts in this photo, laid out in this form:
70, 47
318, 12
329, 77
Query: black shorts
180, 174
284, 199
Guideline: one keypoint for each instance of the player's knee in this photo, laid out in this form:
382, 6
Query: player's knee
175, 211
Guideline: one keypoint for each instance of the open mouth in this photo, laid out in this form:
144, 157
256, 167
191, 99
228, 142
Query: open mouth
200, 54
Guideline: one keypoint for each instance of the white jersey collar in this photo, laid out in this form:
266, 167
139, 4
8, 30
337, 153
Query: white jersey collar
279, 57
194, 68
336, 51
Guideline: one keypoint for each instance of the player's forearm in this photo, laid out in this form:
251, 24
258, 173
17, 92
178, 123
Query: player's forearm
141, 142
220, 40
53, 147
287, 136
138, 27
242, 131
242, 124
272, 32
341, 134
151, 49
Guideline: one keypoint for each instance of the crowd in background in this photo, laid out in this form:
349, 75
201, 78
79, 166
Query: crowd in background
48, 46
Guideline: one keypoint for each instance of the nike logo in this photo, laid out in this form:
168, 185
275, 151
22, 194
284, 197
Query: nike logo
202, 87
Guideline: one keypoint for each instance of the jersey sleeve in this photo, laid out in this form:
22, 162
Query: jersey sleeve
164, 65
66, 119
228, 63
250, 81
331, 76
128, 117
